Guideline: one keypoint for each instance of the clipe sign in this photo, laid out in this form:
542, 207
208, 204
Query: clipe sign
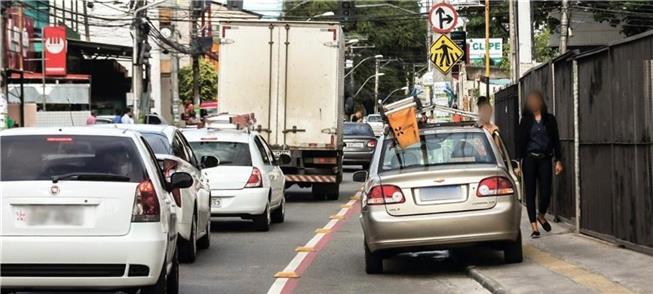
55, 48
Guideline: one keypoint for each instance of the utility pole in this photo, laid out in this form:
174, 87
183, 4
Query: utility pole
196, 68
137, 68
564, 26
514, 43
3, 78
87, 34
487, 48
377, 63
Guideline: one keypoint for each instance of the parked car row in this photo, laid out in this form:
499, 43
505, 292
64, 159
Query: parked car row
117, 206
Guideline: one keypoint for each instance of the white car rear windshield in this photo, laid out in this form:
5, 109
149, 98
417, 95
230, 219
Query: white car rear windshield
438, 149
229, 153
76, 157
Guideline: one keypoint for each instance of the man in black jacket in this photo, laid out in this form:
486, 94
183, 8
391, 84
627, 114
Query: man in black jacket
538, 146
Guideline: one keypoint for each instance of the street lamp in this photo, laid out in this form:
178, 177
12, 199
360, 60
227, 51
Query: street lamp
325, 14
378, 56
376, 75
404, 88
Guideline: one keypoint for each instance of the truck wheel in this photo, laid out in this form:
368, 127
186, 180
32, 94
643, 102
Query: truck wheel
332, 191
318, 191
512, 252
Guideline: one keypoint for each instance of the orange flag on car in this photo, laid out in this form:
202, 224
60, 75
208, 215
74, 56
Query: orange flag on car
404, 125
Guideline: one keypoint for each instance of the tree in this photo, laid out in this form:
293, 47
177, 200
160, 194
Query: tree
541, 48
634, 17
208, 82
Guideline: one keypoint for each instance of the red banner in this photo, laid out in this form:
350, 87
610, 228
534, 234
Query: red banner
55, 47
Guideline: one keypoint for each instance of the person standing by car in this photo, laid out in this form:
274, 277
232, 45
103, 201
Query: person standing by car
127, 117
538, 146
485, 115
91, 118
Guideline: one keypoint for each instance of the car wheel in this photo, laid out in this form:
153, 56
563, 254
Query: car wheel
279, 214
332, 191
373, 262
512, 252
205, 241
188, 248
173, 277
161, 286
262, 221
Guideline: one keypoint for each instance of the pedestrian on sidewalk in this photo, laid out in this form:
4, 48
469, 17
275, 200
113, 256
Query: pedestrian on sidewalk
538, 147
485, 112
91, 118
128, 116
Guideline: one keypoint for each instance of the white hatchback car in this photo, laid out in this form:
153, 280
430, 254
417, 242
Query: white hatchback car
376, 122
247, 183
192, 204
85, 209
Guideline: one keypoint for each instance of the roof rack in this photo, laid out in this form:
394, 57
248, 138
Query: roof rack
450, 124
226, 121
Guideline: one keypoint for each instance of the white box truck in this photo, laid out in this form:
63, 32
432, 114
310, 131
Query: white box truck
290, 75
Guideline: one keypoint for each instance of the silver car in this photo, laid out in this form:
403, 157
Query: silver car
456, 187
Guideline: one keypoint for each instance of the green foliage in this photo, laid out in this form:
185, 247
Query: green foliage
633, 16
396, 34
542, 50
208, 82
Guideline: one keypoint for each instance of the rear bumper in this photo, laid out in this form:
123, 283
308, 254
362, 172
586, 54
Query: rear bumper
404, 233
143, 245
358, 156
248, 201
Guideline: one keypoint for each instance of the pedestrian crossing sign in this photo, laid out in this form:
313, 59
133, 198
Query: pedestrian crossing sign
445, 54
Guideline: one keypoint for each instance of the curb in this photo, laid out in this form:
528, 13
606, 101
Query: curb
488, 283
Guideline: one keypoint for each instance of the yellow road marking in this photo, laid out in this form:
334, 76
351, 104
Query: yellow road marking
304, 249
580, 275
286, 275
322, 231
346, 206
338, 217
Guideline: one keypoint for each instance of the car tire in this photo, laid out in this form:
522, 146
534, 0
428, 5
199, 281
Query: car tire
332, 191
205, 241
161, 286
188, 248
263, 220
279, 214
512, 252
173, 277
373, 262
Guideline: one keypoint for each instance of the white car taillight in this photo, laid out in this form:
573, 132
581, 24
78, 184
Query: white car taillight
146, 203
255, 180
494, 186
385, 194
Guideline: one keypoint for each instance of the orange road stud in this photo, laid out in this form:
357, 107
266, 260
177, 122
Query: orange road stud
322, 231
287, 275
304, 249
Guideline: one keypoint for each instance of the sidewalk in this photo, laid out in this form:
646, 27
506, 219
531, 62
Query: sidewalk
562, 261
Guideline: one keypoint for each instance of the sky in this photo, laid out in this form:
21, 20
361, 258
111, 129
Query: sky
269, 8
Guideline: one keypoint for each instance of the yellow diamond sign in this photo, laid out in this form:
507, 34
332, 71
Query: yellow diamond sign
445, 53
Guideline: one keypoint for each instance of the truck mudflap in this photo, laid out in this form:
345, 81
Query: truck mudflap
311, 179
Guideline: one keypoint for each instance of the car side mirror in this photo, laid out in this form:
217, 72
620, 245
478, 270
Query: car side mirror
515, 164
180, 180
284, 159
209, 161
360, 176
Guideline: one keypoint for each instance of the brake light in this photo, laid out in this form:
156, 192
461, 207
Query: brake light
59, 139
146, 203
494, 186
255, 180
371, 143
385, 194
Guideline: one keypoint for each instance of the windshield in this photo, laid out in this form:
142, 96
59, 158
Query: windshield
42, 157
374, 118
358, 129
438, 149
229, 153
158, 142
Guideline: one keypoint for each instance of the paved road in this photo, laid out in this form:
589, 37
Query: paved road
242, 260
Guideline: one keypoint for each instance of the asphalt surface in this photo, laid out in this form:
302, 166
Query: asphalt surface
242, 260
